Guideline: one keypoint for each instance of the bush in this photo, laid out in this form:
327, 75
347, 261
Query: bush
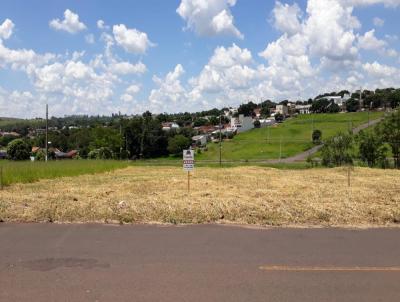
338, 150
94, 154
316, 136
279, 117
177, 144
18, 150
101, 153
105, 153
371, 148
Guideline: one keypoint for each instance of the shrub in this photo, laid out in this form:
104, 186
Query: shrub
316, 136
177, 144
338, 150
18, 150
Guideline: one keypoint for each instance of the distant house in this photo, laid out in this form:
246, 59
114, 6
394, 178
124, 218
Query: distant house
68, 155
282, 109
13, 134
167, 126
199, 140
267, 122
337, 99
205, 129
241, 123
303, 109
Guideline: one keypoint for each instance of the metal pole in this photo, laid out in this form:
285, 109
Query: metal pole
120, 136
47, 130
188, 184
348, 176
220, 140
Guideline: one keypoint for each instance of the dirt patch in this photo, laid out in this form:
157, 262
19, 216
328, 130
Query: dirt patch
244, 195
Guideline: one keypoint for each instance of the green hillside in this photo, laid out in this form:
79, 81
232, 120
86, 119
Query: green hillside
295, 134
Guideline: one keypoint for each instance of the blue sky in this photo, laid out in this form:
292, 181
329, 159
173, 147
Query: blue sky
188, 55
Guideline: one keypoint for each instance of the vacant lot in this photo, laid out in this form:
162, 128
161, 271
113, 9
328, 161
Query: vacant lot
26, 171
289, 138
248, 195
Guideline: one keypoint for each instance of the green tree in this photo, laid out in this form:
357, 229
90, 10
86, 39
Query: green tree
265, 112
247, 109
338, 150
316, 136
177, 144
371, 148
352, 105
18, 150
389, 131
279, 117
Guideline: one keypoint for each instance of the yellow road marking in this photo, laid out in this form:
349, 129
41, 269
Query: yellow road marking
330, 268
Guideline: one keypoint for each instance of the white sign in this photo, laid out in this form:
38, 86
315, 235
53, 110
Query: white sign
188, 160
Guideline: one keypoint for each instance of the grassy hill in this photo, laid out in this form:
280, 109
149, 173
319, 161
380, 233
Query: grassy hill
295, 134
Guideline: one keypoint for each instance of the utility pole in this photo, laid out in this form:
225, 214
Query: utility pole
361, 105
120, 135
47, 130
220, 140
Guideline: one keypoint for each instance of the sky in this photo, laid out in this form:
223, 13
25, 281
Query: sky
102, 57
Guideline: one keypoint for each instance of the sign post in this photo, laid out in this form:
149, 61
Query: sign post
188, 163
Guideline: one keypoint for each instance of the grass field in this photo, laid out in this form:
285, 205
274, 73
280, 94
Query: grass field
26, 171
295, 134
245, 195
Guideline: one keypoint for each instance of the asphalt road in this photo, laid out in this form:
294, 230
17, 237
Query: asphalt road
50, 262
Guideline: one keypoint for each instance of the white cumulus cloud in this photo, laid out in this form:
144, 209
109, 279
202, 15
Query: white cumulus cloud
132, 40
370, 42
70, 24
286, 17
6, 29
209, 17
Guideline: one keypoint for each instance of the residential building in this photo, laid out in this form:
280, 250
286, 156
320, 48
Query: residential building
169, 126
303, 109
282, 109
241, 123
200, 140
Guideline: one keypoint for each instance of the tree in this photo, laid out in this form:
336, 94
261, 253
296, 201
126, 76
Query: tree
316, 136
265, 112
338, 150
389, 131
352, 105
18, 150
177, 144
371, 148
247, 109
279, 117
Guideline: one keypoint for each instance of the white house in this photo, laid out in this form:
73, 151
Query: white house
303, 109
282, 109
199, 140
267, 122
169, 125
242, 123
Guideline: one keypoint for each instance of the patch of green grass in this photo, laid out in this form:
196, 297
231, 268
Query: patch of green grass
26, 171
295, 134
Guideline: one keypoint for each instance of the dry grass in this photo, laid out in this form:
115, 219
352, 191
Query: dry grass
245, 195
